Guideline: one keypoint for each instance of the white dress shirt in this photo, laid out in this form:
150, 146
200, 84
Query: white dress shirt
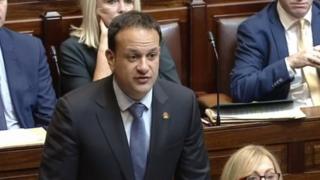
299, 90
125, 103
9, 112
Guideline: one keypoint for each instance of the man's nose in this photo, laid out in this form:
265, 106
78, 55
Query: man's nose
143, 65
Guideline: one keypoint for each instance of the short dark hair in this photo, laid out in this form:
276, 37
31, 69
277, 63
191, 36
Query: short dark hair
128, 20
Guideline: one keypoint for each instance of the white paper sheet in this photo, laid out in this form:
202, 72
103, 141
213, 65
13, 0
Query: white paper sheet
22, 137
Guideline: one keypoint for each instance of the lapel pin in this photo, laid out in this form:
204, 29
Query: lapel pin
165, 116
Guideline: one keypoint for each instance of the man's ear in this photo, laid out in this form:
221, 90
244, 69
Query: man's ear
111, 59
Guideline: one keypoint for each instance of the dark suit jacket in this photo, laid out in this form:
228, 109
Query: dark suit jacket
78, 62
87, 140
28, 77
260, 71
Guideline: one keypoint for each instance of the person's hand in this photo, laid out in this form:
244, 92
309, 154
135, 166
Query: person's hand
102, 66
304, 58
103, 45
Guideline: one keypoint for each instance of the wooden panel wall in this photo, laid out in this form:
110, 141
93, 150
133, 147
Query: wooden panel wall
25, 15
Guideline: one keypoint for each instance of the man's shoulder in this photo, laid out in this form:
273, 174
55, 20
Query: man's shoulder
88, 92
261, 18
18, 37
174, 89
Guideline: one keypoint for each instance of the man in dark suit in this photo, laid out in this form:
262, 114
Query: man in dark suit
96, 132
268, 62
27, 97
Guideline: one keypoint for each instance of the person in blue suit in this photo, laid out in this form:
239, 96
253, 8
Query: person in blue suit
26, 88
267, 60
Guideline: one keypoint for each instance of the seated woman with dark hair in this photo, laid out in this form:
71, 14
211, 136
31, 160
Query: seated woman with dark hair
252, 162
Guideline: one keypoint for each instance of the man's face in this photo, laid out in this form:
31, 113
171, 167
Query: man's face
296, 8
109, 9
3, 11
135, 63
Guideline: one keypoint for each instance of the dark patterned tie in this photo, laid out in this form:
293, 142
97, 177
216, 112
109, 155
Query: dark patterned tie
138, 141
3, 123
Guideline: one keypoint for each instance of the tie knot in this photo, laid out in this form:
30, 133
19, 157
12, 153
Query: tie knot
136, 110
303, 41
302, 24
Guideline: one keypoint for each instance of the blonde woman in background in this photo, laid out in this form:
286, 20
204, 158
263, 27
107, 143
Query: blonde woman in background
82, 55
252, 162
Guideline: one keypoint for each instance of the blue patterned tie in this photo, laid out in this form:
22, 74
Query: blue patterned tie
3, 123
138, 141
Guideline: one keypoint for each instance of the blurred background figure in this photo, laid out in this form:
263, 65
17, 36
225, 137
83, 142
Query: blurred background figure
83, 54
27, 98
278, 54
252, 162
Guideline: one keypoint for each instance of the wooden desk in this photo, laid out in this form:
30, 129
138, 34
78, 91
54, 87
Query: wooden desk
295, 143
20, 163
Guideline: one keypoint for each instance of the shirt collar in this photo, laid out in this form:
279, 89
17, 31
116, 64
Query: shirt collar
125, 101
287, 20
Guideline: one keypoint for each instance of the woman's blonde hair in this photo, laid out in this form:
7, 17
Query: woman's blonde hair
89, 30
244, 161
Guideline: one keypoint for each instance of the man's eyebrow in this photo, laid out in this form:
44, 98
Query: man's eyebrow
132, 51
137, 51
154, 49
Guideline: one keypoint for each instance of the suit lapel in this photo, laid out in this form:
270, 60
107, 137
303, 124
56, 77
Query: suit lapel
158, 128
110, 120
278, 32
